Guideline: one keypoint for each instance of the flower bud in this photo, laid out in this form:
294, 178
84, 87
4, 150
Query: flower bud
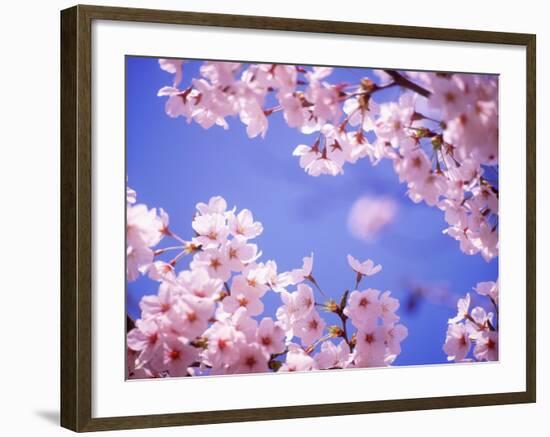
331, 306
335, 331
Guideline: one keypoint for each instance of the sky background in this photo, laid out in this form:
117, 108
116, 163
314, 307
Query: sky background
175, 165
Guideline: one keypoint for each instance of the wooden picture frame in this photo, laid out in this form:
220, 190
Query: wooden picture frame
76, 217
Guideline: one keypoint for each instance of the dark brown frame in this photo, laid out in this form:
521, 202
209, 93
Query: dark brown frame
76, 218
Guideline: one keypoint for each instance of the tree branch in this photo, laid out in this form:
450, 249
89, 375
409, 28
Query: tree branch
401, 80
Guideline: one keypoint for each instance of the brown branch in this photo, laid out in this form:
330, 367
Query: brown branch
401, 80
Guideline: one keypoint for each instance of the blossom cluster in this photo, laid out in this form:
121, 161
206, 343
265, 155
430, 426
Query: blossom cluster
441, 133
208, 318
474, 327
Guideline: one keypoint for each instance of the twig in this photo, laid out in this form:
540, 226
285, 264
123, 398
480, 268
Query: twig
406, 83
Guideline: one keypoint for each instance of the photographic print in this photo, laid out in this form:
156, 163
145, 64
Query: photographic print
293, 218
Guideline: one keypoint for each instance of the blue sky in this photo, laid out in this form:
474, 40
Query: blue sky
174, 165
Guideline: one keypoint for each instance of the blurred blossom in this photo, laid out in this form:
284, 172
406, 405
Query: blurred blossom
370, 215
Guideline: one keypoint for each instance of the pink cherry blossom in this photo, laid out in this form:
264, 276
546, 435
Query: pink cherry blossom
245, 324
388, 308
243, 225
395, 119
179, 103
277, 281
361, 113
394, 335
223, 348
177, 354
486, 348
174, 66
333, 356
270, 336
252, 359
214, 261
299, 275
160, 304
369, 216
212, 229
429, 189
199, 283
457, 344
296, 306
453, 119
370, 350
138, 260
309, 328
191, 316
365, 268
363, 307
130, 196
293, 110
216, 205
239, 253
252, 115
143, 226
489, 289
463, 306
243, 297
297, 360
220, 73
160, 270
413, 166
145, 339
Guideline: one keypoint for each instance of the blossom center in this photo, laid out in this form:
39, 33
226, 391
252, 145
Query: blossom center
313, 325
215, 263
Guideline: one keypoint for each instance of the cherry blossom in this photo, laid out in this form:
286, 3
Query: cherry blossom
214, 261
239, 253
370, 350
333, 356
309, 328
441, 132
366, 268
364, 307
489, 289
206, 313
296, 306
457, 344
177, 354
143, 231
199, 283
174, 66
299, 275
211, 229
207, 318
271, 336
369, 216
476, 326
463, 306
252, 359
243, 225
297, 360
486, 348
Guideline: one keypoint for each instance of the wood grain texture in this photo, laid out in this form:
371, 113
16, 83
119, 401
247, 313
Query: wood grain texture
76, 218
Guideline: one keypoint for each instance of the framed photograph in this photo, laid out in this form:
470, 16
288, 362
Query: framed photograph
268, 218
